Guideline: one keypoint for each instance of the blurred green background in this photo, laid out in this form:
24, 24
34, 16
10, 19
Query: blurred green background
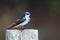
45, 16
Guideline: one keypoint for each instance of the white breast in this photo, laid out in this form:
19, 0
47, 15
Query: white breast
25, 22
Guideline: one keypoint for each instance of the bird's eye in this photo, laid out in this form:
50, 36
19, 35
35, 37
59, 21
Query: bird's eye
27, 14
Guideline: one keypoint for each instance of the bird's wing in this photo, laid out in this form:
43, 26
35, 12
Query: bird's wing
20, 20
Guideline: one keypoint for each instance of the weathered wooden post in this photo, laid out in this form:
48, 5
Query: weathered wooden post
26, 34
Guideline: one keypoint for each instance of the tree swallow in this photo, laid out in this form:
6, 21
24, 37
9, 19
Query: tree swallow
22, 21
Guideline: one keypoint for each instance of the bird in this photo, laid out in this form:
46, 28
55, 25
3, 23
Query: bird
21, 21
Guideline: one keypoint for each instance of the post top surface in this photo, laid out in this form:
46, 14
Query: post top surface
24, 29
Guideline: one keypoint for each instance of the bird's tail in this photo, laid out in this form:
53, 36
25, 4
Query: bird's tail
11, 26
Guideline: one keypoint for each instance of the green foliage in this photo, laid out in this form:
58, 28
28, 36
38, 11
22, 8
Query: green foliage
54, 6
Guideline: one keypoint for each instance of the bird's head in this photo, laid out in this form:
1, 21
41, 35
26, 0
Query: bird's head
27, 14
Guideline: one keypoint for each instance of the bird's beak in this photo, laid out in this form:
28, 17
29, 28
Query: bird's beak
30, 14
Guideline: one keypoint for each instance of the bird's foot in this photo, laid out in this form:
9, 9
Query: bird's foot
21, 28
